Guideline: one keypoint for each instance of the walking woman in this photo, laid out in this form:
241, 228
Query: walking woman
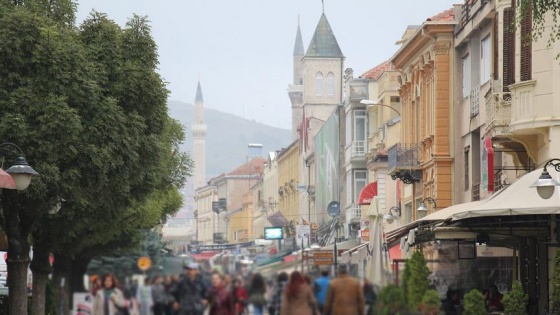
298, 297
220, 297
257, 289
108, 298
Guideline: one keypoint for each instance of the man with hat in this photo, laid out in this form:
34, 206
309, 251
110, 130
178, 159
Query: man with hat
191, 292
344, 295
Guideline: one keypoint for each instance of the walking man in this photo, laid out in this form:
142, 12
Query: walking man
192, 292
320, 288
345, 295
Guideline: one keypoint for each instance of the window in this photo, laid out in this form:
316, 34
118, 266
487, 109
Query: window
466, 168
319, 83
330, 84
526, 44
466, 76
349, 193
360, 125
360, 180
485, 60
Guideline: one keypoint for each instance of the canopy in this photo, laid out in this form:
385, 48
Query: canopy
367, 194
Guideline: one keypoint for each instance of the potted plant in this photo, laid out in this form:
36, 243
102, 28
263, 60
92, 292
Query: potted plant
431, 303
417, 282
515, 301
474, 303
390, 301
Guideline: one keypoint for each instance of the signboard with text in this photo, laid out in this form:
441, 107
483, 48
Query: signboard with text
323, 257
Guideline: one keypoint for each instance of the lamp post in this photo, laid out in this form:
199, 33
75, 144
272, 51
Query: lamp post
423, 207
376, 103
17, 176
393, 213
546, 184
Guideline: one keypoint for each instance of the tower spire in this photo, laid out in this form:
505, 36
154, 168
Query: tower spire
323, 5
198, 97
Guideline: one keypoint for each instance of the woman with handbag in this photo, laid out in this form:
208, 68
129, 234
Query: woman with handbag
108, 300
298, 297
257, 290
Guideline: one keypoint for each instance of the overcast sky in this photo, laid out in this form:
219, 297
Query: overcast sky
242, 49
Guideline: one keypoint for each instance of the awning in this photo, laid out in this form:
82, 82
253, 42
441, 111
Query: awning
438, 216
354, 255
277, 219
342, 245
367, 194
203, 256
516, 199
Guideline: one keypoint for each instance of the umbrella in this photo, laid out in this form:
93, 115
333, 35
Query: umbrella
380, 259
6, 180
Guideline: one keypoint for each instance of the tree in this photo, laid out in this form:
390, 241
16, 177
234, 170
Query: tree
515, 301
390, 301
545, 14
474, 303
431, 302
417, 282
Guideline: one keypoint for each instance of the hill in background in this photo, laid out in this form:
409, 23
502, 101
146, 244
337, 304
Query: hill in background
228, 137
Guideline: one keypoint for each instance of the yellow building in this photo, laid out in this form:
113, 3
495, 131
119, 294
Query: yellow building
288, 174
241, 221
424, 157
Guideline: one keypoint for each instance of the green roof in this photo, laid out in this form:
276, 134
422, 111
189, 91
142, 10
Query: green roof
323, 43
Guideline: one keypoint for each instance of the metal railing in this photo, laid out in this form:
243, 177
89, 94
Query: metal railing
358, 149
403, 156
475, 192
498, 111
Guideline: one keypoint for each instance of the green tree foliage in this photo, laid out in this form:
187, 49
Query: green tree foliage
390, 301
431, 302
417, 282
474, 303
515, 301
546, 17
555, 281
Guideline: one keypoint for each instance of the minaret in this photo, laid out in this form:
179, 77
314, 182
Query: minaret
199, 139
295, 90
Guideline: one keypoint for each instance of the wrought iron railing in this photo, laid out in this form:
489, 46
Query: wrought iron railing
404, 163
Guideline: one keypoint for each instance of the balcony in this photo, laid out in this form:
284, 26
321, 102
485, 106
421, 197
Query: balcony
354, 214
358, 149
404, 163
498, 112
219, 238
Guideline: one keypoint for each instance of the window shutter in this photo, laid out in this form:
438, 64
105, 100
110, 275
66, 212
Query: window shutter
495, 48
526, 43
509, 48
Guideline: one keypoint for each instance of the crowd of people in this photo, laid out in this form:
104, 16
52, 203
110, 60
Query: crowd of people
214, 293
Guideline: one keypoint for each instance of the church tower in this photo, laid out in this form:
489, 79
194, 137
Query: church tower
199, 139
295, 90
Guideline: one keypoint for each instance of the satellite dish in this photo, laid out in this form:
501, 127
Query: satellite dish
333, 209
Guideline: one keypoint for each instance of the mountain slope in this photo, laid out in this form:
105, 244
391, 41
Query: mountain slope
228, 137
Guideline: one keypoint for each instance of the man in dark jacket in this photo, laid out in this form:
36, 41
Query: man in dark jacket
192, 292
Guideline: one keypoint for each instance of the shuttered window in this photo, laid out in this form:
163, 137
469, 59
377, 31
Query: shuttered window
526, 43
509, 48
496, 50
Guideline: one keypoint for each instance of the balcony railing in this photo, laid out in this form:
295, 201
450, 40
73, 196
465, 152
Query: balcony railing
498, 111
469, 9
404, 163
475, 192
354, 213
358, 149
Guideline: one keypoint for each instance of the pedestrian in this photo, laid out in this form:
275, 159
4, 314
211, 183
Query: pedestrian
159, 296
220, 297
320, 288
144, 298
257, 289
240, 296
345, 295
278, 293
298, 297
191, 292
170, 285
108, 300
369, 296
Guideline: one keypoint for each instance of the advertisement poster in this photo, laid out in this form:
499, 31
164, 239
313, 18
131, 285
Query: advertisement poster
82, 304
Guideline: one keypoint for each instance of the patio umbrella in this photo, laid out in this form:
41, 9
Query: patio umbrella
380, 274
6, 180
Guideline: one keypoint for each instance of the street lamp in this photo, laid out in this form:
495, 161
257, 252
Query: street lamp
423, 207
545, 184
376, 103
394, 213
20, 173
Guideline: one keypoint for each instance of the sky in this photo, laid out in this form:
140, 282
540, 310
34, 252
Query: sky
241, 50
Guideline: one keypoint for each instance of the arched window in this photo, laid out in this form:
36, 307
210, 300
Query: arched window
319, 83
330, 84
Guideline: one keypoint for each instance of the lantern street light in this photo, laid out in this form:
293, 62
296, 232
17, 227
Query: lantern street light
376, 103
545, 184
17, 176
423, 207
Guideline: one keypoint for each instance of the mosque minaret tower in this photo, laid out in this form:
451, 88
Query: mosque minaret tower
199, 140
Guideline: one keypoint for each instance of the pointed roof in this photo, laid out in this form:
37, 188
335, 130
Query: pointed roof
298, 47
198, 97
323, 43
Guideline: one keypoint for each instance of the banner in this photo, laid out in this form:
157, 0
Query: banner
83, 303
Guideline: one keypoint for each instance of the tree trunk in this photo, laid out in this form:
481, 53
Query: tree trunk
41, 267
17, 233
61, 274
78, 270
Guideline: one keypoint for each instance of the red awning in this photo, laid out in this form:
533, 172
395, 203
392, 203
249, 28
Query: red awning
203, 256
395, 252
367, 194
